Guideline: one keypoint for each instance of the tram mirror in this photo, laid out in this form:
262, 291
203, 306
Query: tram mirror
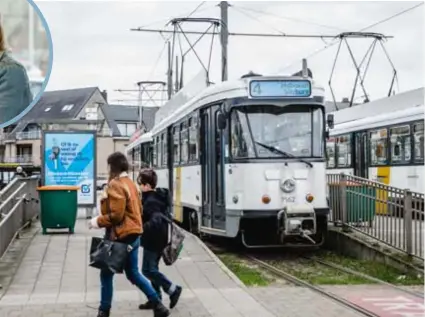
330, 121
221, 121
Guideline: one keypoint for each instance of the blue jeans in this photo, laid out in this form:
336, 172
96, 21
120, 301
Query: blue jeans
133, 275
150, 269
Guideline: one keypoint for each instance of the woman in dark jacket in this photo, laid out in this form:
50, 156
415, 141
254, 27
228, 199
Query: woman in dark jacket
15, 93
155, 235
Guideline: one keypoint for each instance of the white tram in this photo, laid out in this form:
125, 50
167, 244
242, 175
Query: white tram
246, 159
382, 140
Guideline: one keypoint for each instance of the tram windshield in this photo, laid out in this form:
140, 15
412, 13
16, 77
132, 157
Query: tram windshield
269, 131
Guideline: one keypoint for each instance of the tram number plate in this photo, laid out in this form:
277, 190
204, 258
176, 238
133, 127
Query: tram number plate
290, 199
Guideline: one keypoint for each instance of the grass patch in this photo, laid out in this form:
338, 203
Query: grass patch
250, 276
375, 269
318, 274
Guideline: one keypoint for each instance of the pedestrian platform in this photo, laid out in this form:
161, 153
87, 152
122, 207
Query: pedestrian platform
53, 278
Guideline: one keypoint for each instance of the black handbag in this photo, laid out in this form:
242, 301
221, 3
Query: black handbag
106, 254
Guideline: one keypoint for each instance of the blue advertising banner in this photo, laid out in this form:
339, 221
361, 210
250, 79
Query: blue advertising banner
70, 160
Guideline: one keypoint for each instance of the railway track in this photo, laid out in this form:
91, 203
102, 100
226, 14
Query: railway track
282, 273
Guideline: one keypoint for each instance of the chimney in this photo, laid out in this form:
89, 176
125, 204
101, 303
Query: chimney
105, 95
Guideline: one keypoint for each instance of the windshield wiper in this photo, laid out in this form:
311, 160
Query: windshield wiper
276, 150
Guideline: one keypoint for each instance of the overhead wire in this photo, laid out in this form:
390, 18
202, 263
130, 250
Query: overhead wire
256, 19
332, 43
286, 18
197, 9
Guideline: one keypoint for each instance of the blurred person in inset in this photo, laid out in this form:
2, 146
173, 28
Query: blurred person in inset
15, 93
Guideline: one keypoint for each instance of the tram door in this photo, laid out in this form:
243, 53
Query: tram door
212, 163
361, 162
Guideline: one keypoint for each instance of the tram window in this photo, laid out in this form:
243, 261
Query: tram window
176, 145
400, 144
330, 153
159, 151
239, 147
164, 150
154, 153
193, 141
184, 143
418, 137
343, 151
378, 147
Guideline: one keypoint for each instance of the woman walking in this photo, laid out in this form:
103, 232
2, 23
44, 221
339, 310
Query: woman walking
155, 236
121, 210
15, 93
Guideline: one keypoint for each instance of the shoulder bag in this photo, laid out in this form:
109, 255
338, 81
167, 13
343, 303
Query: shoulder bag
106, 254
174, 246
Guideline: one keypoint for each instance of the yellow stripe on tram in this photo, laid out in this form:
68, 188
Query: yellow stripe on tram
178, 209
382, 195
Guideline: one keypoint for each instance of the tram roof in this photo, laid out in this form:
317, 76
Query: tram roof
394, 117
145, 137
224, 90
390, 104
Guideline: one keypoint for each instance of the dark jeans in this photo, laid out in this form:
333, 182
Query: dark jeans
150, 269
133, 275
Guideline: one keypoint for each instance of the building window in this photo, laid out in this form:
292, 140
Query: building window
400, 144
330, 153
127, 129
184, 142
164, 150
176, 145
193, 140
67, 108
418, 137
343, 151
378, 147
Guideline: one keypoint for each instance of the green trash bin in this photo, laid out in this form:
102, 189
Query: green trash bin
59, 207
360, 202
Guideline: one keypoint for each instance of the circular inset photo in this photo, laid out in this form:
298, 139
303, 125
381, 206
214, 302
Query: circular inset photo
26, 55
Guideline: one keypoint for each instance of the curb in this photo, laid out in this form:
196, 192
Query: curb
217, 260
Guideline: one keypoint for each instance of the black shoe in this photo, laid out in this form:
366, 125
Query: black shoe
102, 313
174, 298
146, 306
160, 310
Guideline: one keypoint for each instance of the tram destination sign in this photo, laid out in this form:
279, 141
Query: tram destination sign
283, 88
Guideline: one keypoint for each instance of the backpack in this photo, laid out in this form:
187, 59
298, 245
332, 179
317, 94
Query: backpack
174, 246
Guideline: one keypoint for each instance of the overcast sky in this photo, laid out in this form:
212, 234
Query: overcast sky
93, 44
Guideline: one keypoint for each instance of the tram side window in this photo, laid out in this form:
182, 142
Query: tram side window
159, 151
343, 151
184, 143
176, 145
330, 153
164, 150
154, 153
418, 137
378, 147
400, 144
193, 140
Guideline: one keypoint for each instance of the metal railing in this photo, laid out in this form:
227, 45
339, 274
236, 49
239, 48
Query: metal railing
18, 206
30, 135
21, 159
391, 215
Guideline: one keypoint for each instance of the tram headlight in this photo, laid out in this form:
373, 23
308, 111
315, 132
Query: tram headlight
288, 186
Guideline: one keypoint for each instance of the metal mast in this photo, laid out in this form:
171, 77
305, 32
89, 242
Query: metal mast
224, 36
